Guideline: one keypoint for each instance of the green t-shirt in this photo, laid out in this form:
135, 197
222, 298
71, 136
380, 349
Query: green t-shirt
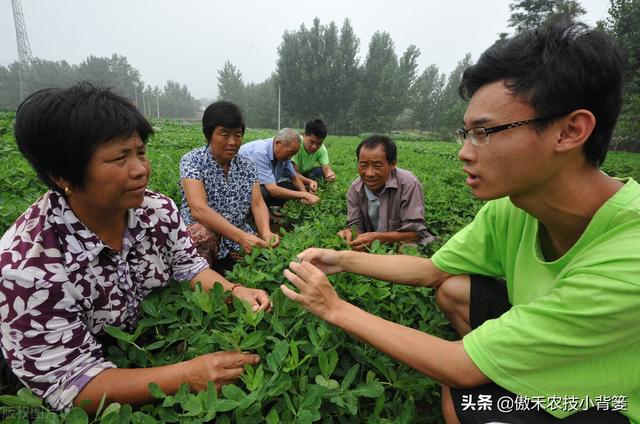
307, 161
574, 329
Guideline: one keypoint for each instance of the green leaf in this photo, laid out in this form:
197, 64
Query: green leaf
248, 401
192, 406
46, 418
311, 399
10, 400
29, 399
202, 300
211, 396
253, 340
117, 333
323, 362
304, 417
168, 415
156, 345
379, 405
272, 417
293, 347
142, 418
112, 408
371, 390
233, 392
150, 308
277, 355
224, 405
375, 245
328, 384
124, 415
76, 416
169, 401
349, 377
351, 402
156, 391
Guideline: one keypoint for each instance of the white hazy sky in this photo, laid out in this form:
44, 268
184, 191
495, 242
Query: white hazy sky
189, 40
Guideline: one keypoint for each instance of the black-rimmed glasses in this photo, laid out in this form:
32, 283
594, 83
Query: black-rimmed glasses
480, 135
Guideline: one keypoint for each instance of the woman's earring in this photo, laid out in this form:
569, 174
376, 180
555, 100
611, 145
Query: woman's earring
67, 191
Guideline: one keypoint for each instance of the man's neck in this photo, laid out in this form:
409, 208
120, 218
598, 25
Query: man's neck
563, 213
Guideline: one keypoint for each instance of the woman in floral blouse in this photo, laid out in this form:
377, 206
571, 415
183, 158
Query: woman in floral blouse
86, 253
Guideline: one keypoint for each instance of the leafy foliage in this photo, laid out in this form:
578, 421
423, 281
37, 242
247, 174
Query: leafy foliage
623, 23
527, 15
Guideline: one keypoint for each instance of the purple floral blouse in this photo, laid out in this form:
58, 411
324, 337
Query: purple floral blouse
60, 285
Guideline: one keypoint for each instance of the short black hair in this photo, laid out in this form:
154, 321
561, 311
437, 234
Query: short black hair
390, 149
316, 127
224, 114
58, 130
558, 69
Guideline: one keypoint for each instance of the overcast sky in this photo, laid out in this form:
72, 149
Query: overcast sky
189, 40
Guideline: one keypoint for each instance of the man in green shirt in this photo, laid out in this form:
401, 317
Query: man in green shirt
544, 284
312, 160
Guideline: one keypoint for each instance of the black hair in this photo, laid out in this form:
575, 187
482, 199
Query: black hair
558, 69
224, 114
58, 130
316, 127
390, 149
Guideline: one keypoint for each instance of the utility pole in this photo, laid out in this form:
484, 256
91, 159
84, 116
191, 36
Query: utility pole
144, 106
24, 49
157, 103
278, 108
135, 93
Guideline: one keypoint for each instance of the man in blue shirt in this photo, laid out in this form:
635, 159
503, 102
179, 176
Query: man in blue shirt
278, 178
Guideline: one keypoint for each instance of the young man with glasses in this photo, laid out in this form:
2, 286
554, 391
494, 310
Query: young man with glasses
543, 285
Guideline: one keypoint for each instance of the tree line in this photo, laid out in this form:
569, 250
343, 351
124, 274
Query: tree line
319, 74
172, 101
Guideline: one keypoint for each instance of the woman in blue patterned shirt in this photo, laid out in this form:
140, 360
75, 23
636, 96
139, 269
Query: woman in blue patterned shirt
220, 189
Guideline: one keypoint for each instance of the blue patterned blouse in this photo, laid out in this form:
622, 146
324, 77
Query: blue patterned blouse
228, 195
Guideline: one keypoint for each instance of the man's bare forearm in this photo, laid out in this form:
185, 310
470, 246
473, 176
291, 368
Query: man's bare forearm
442, 360
400, 269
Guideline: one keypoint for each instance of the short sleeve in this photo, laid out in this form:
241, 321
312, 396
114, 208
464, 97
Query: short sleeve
263, 165
473, 250
185, 262
323, 155
191, 167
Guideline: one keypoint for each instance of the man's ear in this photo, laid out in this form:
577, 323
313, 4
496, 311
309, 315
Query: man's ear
575, 130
